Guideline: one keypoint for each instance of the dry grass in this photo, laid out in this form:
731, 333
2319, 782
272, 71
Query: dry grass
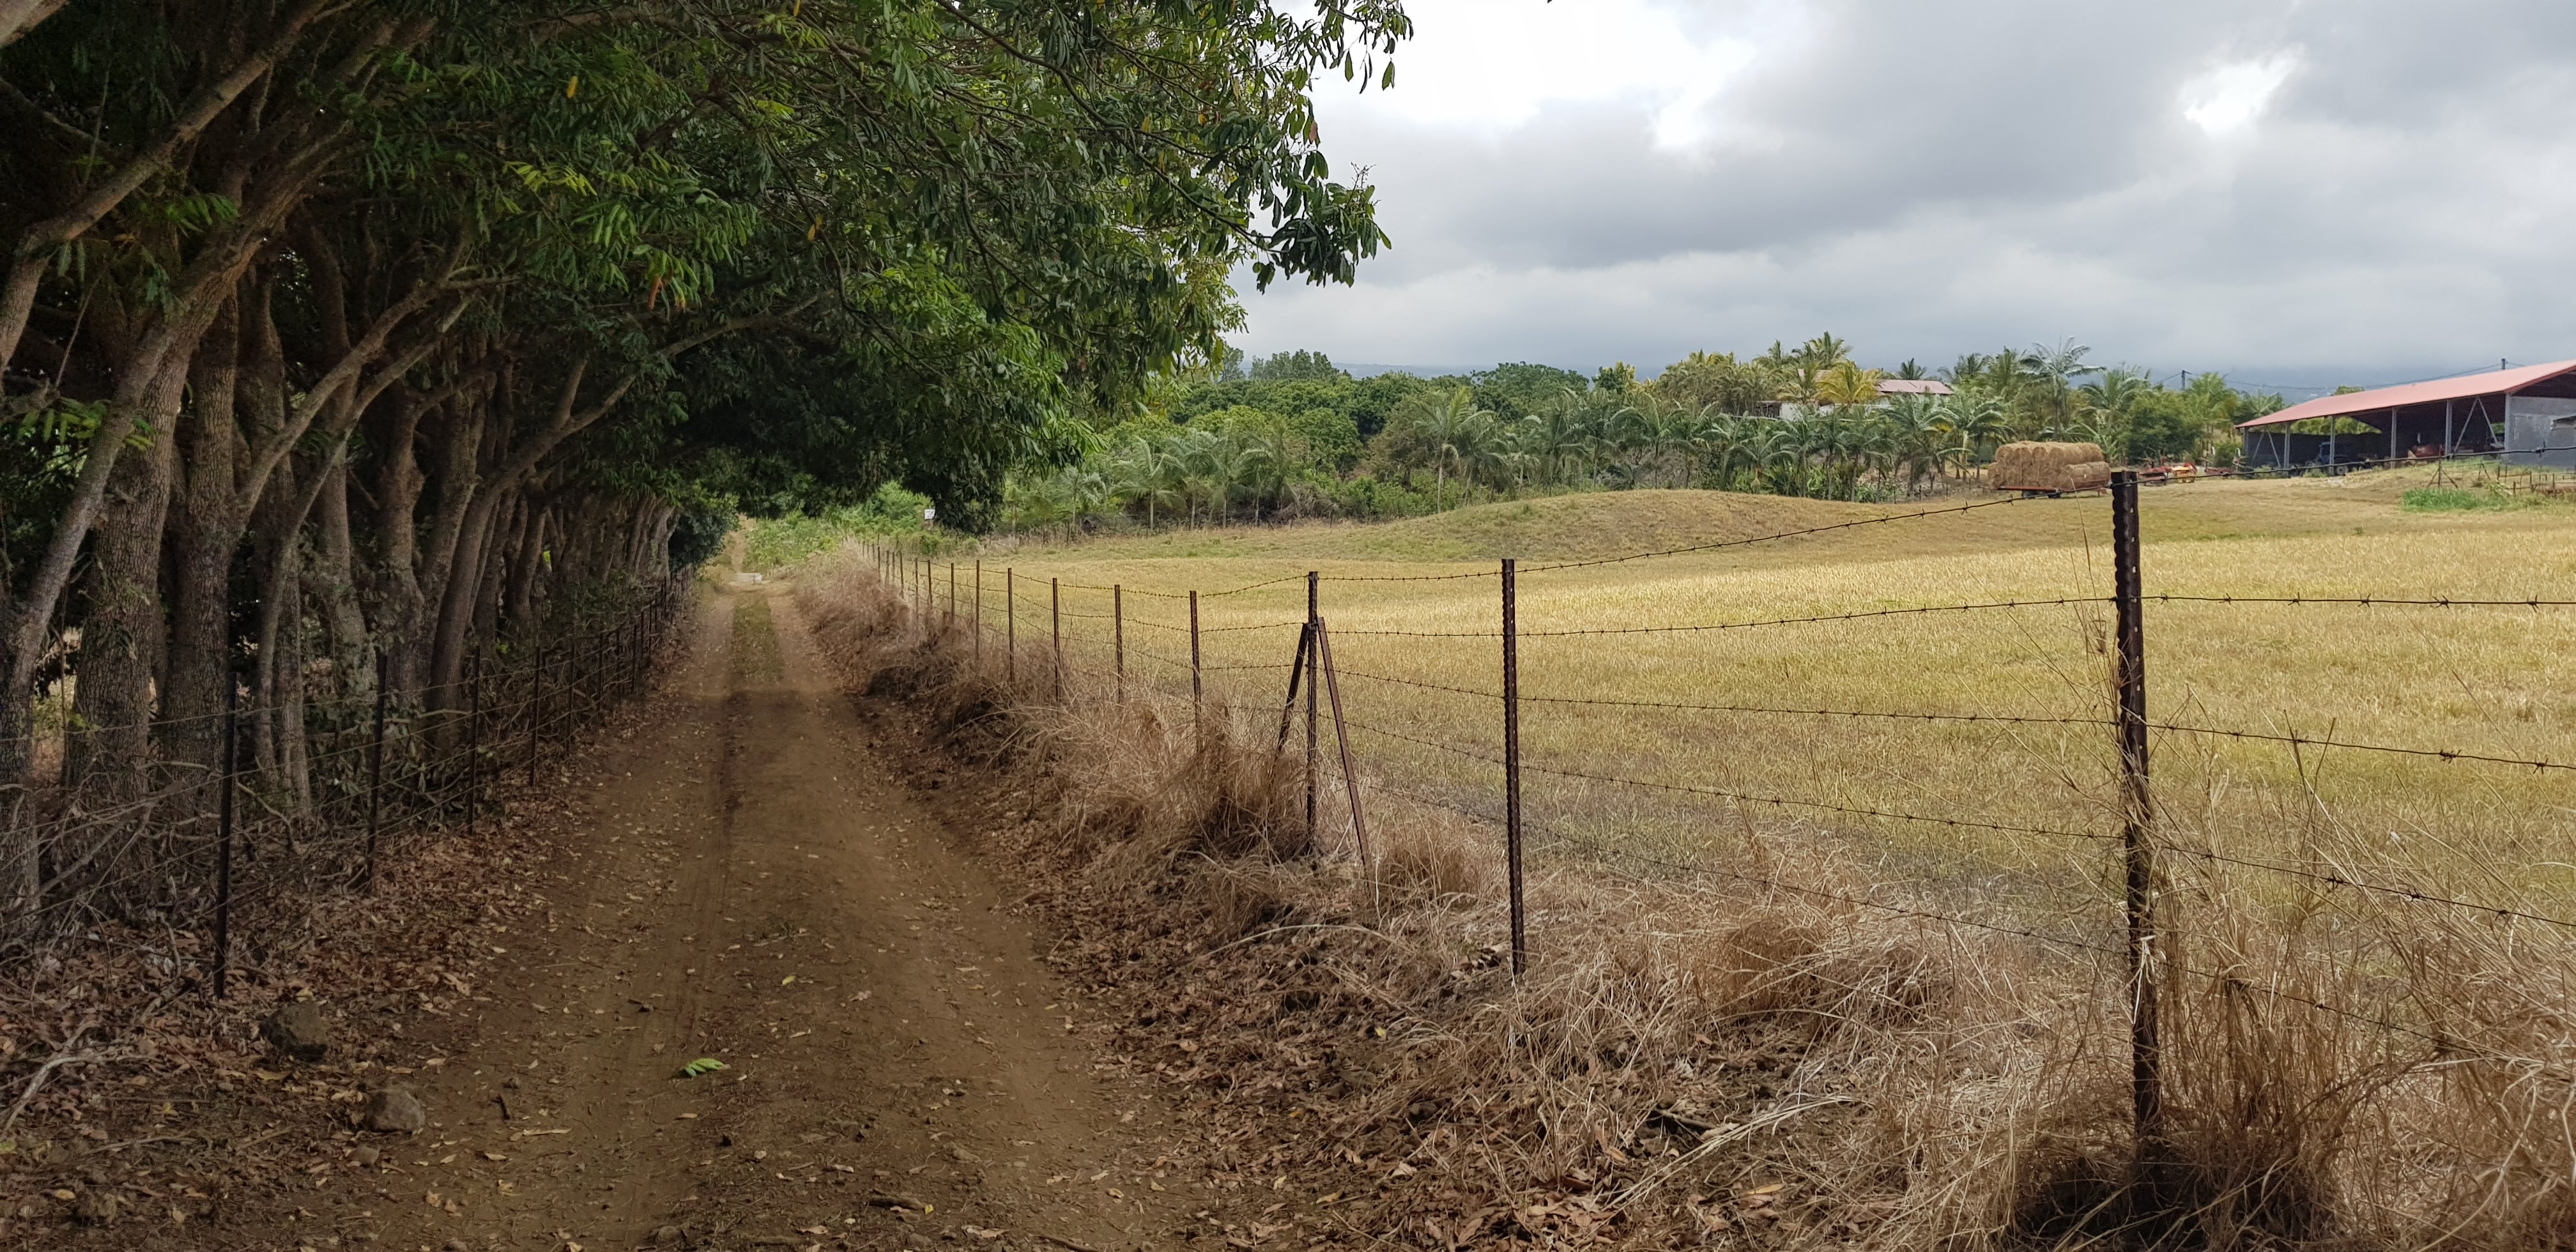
1943, 1082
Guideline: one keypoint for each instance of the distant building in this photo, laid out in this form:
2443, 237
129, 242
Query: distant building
2526, 414
1912, 387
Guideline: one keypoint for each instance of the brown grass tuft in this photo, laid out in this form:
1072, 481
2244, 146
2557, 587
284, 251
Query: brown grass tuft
1745, 1057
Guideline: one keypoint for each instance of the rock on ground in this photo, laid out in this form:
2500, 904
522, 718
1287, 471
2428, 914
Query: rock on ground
394, 1110
298, 1030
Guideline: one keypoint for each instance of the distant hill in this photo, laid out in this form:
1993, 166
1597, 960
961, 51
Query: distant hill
1362, 369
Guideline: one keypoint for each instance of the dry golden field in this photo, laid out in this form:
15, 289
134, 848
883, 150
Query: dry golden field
2367, 958
2495, 681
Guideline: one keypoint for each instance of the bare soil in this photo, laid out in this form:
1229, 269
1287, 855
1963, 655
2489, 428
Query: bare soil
758, 885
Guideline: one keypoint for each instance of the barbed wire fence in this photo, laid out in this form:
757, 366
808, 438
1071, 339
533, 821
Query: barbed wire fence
1420, 740
189, 863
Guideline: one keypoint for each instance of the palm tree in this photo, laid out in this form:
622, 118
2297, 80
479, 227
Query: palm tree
1824, 351
2108, 405
1559, 435
1447, 427
1726, 445
2058, 368
1975, 420
1847, 384
1142, 472
1916, 426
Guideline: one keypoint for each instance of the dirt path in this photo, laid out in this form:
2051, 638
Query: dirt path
760, 889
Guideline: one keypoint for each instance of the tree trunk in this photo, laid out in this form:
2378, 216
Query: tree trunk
124, 631
457, 483
204, 534
17, 17
399, 605
523, 574
335, 583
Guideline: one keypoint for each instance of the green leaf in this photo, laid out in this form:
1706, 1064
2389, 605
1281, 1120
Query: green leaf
702, 1066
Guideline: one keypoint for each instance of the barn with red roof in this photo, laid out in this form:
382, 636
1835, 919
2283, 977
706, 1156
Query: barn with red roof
2526, 414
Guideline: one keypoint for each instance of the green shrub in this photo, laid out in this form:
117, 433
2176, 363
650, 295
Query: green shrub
892, 512
2457, 499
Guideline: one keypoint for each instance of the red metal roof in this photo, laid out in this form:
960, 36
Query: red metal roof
2439, 389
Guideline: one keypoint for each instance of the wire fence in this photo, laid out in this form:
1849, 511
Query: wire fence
2042, 801
197, 859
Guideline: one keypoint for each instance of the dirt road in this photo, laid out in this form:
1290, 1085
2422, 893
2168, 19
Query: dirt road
760, 889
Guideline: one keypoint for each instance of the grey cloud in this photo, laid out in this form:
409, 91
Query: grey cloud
1927, 179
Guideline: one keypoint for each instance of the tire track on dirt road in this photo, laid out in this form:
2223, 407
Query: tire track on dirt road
760, 889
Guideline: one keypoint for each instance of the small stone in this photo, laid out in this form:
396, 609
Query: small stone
459, 1245
366, 1157
298, 1030
667, 1235
394, 1110
916, 1239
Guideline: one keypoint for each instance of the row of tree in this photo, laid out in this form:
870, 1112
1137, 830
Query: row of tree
1291, 435
337, 327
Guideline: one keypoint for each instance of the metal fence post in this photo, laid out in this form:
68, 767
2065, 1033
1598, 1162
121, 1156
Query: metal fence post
1512, 758
376, 773
1055, 615
536, 711
224, 836
1296, 672
567, 683
1197, 691
1313, 743
1342, 738
951, 619
1010, 624
979, 610
2146, 1050
1118, 635
473, 735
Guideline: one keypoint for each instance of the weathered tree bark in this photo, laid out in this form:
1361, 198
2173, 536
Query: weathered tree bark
281, 673
35, 250
149, 380
398, 602
527, 555
17, 17
230, 475
331, 579
458, 484
465, 579
125, 630
203, 536
486, 618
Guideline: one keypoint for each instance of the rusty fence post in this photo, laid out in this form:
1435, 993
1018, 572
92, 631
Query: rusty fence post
1512, 759
979, 610
1313, 743
1118, 635
224, 835
1296, 671
2146, 1048
1342, 737
473, 735
376, 773
1010, 624
536, 711
1197, 692
1055, 615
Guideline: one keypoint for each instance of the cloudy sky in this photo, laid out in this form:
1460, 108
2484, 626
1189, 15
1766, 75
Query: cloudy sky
2293, 191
